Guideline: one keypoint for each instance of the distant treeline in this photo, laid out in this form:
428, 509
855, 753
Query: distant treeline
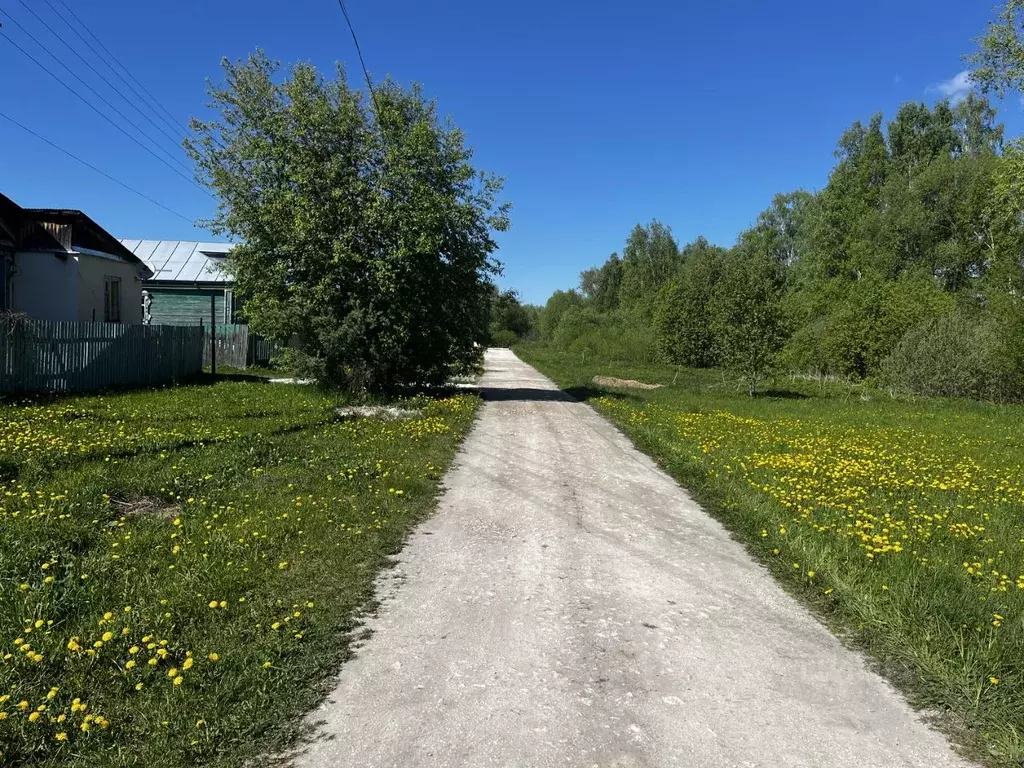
905, 270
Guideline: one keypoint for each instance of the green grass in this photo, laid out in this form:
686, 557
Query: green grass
901, 522
180, 569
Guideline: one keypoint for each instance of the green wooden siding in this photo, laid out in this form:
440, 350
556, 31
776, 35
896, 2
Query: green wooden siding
176, 306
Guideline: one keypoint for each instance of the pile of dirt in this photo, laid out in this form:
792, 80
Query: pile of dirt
611, 381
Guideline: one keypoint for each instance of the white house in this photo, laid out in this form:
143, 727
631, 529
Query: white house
58, 264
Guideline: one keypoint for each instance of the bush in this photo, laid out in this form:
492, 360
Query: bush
615, 337
954, 355
503, 337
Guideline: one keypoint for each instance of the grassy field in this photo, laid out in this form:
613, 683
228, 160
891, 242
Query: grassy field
901, 522
180, 569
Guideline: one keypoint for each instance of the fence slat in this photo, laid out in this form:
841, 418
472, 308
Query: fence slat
45, 356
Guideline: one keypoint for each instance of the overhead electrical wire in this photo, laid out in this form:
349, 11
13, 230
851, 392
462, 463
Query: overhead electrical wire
95, 108
92, 90
149, 99
362, 63
174, 140
94, 168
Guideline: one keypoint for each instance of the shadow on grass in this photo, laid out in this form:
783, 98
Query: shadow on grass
780, 394
210, 378
9, 471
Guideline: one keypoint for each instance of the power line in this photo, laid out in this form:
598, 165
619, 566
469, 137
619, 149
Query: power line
359, 53
92, 90
151, 100
98, 111
99, 74
94, 168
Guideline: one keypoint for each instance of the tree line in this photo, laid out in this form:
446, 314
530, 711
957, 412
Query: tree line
906, 269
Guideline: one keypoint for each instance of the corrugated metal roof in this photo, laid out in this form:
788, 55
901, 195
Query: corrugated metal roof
182, 261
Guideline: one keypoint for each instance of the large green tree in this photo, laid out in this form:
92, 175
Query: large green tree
649, 261
510, 320
747, 318
551, 315
365, 233
602, 285
682, 316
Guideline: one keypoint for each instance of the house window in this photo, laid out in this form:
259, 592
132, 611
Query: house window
112, 300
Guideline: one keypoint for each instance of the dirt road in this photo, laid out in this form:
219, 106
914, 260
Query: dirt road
569, 605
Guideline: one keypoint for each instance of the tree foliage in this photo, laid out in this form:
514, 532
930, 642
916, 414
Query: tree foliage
650, 259
999, 60
747, 316
559, 303
510, 320
684, 308
603, 285
365, 234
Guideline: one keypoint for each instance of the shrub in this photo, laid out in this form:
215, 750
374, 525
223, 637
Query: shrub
615, 337
503, 337
955, 355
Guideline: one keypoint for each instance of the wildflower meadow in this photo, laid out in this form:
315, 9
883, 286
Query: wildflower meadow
180, 569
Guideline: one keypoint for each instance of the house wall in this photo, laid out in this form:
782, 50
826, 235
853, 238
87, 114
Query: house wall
186, 306
92, 271
45, 286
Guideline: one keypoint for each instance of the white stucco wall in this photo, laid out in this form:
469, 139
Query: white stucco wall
45, 287
92, 271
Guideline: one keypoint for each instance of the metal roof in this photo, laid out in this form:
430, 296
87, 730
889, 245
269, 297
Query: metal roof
182, 261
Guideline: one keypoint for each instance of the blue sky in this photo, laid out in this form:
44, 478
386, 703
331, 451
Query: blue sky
600, 115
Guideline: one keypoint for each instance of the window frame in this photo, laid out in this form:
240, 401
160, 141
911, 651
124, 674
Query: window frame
112, 310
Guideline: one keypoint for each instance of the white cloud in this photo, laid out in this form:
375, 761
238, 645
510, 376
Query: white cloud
956, 88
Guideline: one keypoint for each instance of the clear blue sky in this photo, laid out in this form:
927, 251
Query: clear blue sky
598, 114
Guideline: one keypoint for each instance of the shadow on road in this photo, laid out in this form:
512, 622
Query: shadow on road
525, 395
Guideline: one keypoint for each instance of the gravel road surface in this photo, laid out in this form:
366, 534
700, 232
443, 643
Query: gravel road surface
570, 605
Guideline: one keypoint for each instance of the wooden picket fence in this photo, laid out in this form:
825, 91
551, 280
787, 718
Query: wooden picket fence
44, 356
237, 348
